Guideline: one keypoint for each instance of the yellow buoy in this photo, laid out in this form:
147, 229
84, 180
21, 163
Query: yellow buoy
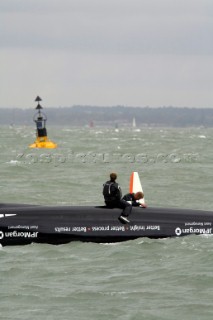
42, 140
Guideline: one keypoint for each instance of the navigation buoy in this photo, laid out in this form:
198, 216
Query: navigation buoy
40, 119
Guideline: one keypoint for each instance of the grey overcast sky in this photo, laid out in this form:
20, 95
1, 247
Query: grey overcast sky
106, 52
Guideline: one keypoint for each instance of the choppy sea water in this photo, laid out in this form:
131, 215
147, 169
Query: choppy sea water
140, 279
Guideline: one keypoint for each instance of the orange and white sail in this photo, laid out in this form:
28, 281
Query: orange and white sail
135, 185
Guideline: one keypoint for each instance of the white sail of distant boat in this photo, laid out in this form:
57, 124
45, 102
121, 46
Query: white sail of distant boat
116, 127
133, 123
134, 126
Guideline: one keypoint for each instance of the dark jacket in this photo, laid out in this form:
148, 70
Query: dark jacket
130, 197
111, 191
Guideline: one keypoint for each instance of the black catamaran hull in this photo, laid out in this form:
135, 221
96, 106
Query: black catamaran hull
24, 224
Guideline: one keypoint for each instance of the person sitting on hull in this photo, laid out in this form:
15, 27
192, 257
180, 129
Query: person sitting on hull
134, 199
113, 198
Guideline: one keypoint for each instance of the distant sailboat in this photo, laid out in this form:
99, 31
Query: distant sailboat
134, 127
133, 123
116, 127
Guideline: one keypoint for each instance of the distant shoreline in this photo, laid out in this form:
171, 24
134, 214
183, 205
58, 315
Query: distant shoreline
116, 116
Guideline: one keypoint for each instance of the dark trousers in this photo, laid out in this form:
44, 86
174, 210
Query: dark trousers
127, 207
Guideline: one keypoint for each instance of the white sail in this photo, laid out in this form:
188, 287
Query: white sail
135, 185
